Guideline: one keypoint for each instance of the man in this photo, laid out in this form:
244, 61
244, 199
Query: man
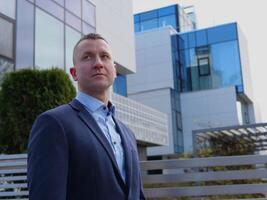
80, 151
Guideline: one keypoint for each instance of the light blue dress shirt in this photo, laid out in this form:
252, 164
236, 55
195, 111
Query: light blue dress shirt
103, 116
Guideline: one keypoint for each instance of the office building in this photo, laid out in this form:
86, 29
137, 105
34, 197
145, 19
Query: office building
198, 77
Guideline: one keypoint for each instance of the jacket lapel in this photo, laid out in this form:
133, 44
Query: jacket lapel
88, 119
127, 152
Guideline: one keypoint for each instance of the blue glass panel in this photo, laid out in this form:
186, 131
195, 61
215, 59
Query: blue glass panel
226, 64
148, 15
222, 33
120, 85
201, 38
168, 20
137, 27
136, 18
149, 24
191, 40
167, 10
183, 41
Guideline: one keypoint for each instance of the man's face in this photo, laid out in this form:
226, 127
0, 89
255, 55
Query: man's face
94, 68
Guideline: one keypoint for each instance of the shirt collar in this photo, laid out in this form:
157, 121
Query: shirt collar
94, 104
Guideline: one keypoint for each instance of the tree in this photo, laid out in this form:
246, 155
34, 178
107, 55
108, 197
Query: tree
24, 95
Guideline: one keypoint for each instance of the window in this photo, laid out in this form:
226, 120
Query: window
72, 37
74, 7
25, 31
49, 42
7, 7
5, 66
203, 66
87, 28
120, 85
73, 21
51, 8
89, 13
6, 39
222, 33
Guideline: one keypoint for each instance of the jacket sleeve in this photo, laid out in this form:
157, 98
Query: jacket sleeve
47, 160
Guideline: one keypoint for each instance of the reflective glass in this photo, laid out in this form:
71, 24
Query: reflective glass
25, 34
222, 33
51, 8
149, 24
137, 27
5, 66
201, 38
167, 10
120, 85
136, 18
226, 64
49, 43
61, 2
148, 15
74, 6
168, 20
7, 7
73, 21
87, 29
183, 41
72, 37
191, 40
6, 38
89, 13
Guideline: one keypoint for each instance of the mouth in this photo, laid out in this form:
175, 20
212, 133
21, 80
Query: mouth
98, 74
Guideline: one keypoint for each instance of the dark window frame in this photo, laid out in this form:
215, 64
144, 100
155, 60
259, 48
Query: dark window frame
200, 73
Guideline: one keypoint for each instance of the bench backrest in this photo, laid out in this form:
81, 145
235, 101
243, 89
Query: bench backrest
13, 179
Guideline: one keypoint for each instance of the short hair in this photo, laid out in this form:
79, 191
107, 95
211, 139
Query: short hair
89, 36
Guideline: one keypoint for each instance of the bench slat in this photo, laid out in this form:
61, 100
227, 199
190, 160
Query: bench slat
205, 176
13, 178
20, 185
206, 190
10, 194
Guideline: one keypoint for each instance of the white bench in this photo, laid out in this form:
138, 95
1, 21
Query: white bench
13, 177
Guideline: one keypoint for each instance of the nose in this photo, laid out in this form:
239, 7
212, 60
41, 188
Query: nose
98, 62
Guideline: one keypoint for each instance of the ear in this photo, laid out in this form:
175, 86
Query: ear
73, 73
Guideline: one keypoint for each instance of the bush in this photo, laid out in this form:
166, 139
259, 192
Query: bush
24, 95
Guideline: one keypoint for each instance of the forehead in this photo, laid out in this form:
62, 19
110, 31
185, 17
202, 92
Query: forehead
93, 45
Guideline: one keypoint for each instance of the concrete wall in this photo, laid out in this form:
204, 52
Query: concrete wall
153, 60
207, 109
160, 100
114, 20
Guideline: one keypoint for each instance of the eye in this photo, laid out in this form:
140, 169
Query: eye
86, 57
105, 56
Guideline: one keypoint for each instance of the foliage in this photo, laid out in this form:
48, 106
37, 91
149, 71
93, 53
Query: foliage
24, 95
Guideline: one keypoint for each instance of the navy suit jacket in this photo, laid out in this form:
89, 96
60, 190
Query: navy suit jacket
69, 158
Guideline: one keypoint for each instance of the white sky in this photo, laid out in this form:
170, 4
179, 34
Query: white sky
250, 15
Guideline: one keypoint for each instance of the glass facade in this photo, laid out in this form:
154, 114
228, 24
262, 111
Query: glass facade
175, 99
210, 59
120, 85
167, 16
45, 31
49, 42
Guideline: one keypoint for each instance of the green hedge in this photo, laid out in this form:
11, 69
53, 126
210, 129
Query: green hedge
24, 95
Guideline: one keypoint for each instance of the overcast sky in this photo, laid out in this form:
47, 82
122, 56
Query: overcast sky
251, 16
